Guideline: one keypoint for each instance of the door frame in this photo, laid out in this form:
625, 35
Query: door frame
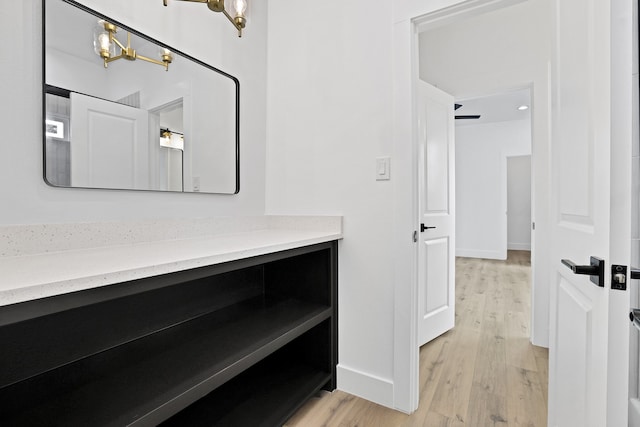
410, 17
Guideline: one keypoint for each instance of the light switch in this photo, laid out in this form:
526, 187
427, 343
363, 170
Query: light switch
383, 165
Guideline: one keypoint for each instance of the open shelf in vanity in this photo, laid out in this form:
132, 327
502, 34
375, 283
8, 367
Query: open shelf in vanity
244, 342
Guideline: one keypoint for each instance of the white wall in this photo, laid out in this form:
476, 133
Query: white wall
329, 109
491, 53
481, 185
340, 96
519, 203
190, 28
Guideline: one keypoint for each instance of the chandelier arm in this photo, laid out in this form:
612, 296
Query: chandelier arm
238, 22
120, 45
113, 58
154, 61
233, 22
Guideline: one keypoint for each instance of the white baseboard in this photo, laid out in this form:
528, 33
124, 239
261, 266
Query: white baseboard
474, 253
366, 386
519, 246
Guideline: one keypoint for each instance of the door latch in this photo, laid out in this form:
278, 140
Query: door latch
619, 277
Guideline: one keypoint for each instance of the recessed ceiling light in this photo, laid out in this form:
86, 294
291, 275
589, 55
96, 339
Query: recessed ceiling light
523, 107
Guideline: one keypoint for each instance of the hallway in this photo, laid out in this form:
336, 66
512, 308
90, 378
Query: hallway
484, 372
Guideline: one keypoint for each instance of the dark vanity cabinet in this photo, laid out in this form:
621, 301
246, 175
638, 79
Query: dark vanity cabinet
243, 343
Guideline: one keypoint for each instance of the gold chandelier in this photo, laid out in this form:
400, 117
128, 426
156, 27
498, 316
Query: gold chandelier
105, 44
240, 6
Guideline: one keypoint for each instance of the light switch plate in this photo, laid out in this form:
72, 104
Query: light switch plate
383, 168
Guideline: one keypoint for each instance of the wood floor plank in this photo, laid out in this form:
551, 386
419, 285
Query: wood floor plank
484, 372
433, 357
434, 419
542, 362
519, 348
373, 415
486, 409
491, 368
469, 313
454, 386
525, 404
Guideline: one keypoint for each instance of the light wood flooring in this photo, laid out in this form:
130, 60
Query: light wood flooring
484, 372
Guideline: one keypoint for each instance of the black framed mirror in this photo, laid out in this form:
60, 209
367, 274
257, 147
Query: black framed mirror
125, 111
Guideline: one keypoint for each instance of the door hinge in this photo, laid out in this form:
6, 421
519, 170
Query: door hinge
415, 236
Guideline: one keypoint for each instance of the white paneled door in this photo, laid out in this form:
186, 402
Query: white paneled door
436, 252
590, 189
109, 144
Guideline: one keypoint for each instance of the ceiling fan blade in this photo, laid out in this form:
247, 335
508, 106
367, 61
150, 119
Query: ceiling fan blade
469, 117
456, 106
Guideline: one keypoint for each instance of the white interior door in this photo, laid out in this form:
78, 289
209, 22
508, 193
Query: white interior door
591, 131
109, 144
436, 253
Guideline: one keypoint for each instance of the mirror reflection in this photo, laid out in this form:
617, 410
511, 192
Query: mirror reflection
125, 112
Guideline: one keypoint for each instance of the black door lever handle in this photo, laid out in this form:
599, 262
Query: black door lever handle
581, 269
422, 228
595, 269
635, 273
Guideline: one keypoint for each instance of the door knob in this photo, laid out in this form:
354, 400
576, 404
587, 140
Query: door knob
595, 269
422, 228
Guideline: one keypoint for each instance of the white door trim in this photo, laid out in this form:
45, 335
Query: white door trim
457, 12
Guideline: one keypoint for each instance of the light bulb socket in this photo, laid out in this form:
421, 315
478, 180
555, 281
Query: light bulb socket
240, 21
108, 26
167, 58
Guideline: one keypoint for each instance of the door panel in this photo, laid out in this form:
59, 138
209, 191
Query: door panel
574, 74
436, 251
436, 297
437, 160
574, 325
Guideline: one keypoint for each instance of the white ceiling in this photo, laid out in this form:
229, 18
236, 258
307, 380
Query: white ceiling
495, 108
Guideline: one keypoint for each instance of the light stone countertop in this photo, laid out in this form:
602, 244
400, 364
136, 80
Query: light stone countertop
28, 273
